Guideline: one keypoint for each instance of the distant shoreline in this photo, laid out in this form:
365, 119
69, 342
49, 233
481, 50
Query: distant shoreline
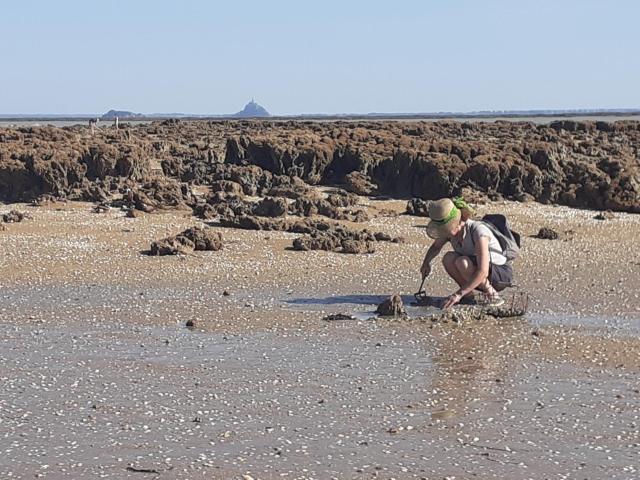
538, 120
373, 116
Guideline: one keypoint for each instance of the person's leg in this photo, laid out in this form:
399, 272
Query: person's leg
466, 268
460, 268
490, 288
449, 262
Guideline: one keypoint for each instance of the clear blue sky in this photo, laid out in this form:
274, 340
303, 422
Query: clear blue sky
81, 56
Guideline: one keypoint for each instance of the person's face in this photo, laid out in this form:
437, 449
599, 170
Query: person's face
456, 230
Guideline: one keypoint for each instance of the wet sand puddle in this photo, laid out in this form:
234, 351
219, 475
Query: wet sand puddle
353, 399
361, 307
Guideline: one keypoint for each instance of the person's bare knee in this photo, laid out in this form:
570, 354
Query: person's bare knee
449, 262
465, 267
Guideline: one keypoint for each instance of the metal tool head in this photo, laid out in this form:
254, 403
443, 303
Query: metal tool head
421, 295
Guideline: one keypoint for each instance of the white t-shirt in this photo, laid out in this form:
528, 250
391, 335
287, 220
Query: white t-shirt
472, 232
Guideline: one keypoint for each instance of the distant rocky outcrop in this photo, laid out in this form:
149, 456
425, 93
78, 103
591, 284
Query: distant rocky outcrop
121, 114
252, 110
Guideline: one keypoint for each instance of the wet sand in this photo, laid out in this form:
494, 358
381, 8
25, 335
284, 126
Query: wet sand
101, 378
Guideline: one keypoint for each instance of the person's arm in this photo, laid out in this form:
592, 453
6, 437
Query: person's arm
481, 273
433, 252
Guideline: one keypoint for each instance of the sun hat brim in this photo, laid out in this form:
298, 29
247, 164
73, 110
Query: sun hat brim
438, 230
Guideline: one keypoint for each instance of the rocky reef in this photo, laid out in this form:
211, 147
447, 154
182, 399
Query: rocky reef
583, 164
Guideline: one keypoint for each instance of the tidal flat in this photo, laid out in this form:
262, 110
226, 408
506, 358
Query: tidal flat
101, 378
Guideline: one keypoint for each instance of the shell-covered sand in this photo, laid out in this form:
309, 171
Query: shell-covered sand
100, 378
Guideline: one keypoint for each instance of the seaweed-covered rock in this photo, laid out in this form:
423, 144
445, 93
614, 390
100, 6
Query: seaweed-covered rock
13, 216
250, 222
320, 242
169, 246
546, 233
359, 183
195, 238
305, 207
392, 307
158, 194
228, 187
204, 239
271, 207
418, 207
342, 199
357, 216
357, 246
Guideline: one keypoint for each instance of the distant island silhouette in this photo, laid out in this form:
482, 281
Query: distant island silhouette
252, 110
113, 114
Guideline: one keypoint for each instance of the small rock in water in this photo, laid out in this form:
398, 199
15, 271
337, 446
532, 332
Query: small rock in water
101, 208
391, 307
505, 312
606, 215
547, 234
338, 316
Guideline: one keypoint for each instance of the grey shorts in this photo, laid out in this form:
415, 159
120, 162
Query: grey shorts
500, 276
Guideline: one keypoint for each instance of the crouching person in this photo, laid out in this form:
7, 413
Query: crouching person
477, 260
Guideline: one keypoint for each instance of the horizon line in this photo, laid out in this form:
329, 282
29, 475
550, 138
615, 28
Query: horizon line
167, 115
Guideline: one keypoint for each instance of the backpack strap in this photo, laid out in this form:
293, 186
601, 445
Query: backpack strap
473, 228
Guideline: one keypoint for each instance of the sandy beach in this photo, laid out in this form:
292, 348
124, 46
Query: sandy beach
101, 379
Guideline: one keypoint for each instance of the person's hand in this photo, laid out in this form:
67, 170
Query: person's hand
452, 300
425, 269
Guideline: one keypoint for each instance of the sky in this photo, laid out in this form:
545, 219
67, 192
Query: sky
305, 57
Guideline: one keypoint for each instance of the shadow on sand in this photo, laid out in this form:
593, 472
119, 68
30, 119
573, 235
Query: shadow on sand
348, 300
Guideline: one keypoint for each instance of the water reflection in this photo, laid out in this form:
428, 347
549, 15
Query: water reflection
472, 363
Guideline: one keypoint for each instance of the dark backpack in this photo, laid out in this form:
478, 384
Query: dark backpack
508, 239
